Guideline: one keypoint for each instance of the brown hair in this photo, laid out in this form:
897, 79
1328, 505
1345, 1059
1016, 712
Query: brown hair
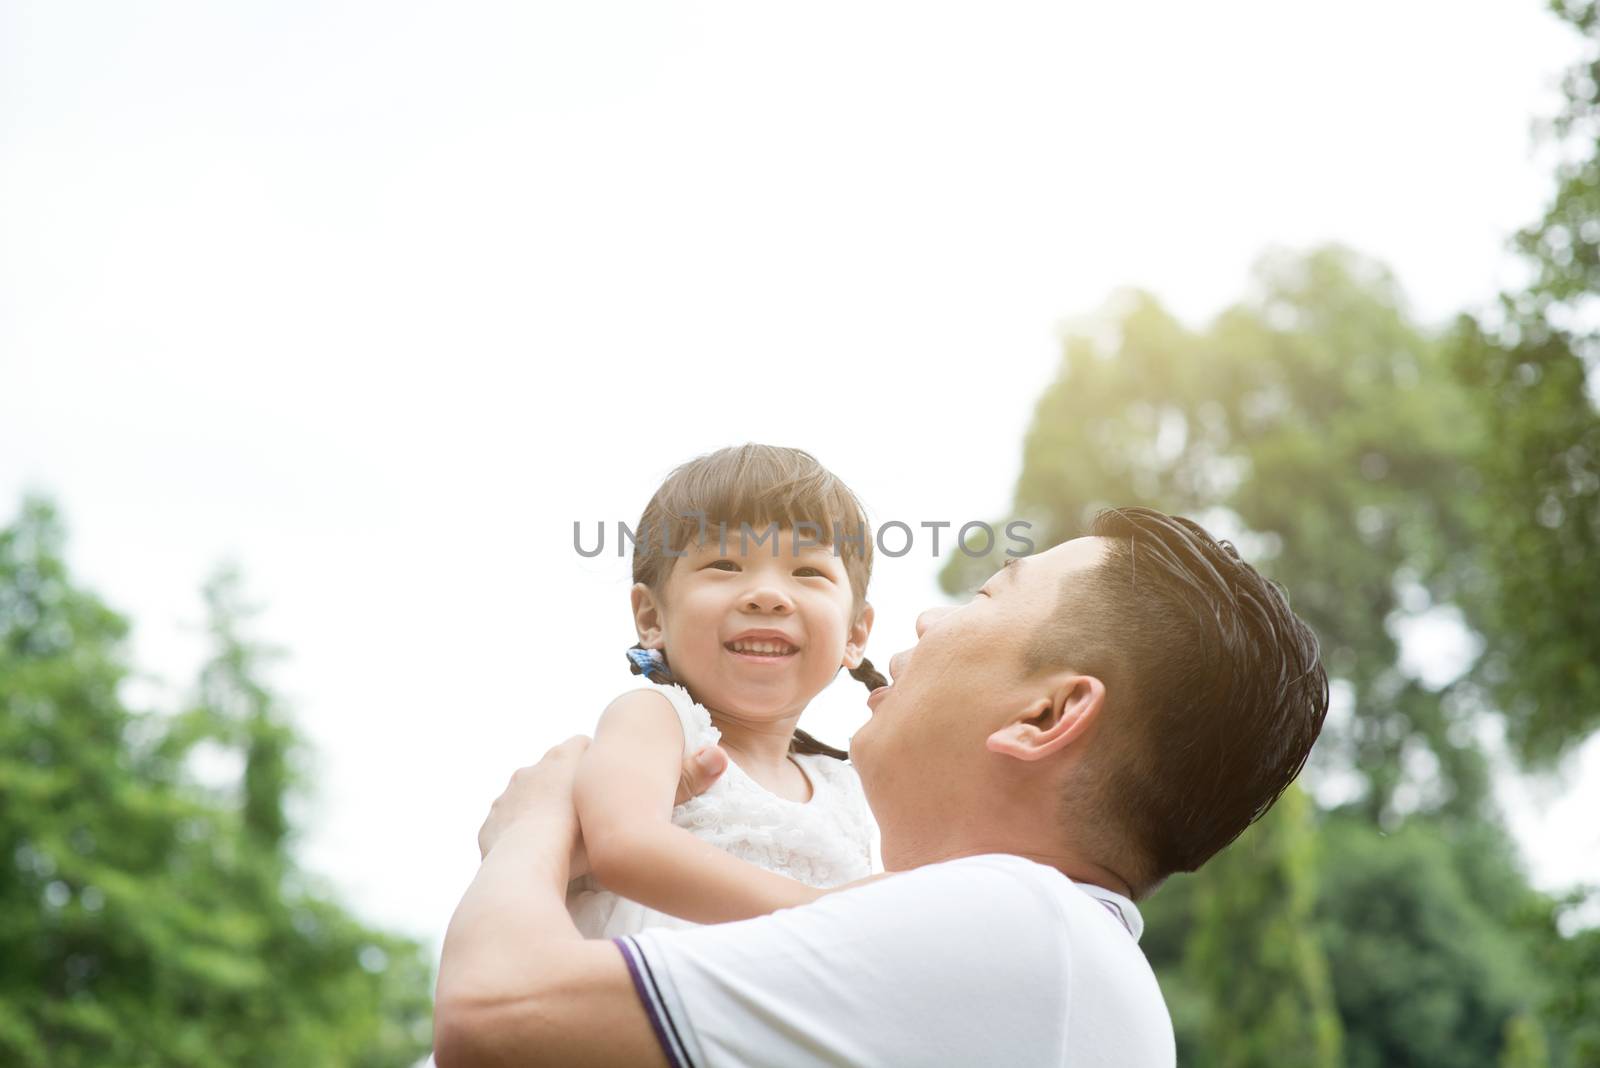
1215, 690
762, 486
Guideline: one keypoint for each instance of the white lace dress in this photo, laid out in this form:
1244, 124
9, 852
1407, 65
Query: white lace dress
823, 842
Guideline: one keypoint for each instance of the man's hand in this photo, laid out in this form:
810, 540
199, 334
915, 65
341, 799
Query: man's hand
541, 796
704, 767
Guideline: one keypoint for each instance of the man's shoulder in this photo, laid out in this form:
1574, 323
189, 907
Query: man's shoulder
1088, 930
1005, 890
1016, 897
1016, 875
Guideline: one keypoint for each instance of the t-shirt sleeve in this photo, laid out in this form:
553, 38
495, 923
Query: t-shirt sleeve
958, 963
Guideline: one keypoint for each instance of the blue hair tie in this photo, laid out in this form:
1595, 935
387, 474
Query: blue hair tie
647, 662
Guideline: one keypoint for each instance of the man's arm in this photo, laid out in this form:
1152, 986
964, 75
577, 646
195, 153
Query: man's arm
517, 984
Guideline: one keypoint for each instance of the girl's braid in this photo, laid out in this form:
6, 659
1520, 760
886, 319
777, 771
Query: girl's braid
655, 669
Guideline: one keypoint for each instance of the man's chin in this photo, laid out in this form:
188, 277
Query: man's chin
856, 746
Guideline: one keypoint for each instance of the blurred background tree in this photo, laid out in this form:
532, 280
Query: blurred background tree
1401, 481
146, 919
1525, 1045
1254, 949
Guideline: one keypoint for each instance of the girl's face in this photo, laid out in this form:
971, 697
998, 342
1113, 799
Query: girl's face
757, 630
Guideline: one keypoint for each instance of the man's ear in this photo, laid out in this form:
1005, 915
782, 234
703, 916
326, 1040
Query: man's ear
646, 616
855, 646
1053, 720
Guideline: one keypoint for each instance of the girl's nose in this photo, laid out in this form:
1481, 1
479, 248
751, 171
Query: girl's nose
768, 599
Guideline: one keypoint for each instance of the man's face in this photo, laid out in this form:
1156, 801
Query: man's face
924, 747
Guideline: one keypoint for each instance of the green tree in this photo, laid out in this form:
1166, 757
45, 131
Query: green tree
1525, 1046
1564, 245
1538, 373
145, 920
1434, 942
1532, 578
1255, 949
1426, 952
1567, 955
233, 697
1532, 370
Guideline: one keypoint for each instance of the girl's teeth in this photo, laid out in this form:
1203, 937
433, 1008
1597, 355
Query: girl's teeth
763, 648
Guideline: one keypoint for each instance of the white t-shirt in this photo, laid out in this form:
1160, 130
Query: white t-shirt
978, 961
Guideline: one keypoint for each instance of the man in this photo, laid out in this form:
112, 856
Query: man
1100, 715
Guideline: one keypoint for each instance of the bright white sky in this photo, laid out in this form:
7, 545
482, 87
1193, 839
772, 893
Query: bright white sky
378, 299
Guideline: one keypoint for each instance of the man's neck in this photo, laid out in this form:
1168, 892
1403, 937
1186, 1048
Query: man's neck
1073, 864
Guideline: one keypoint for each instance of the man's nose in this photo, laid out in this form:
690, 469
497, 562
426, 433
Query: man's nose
932, 616
896, 661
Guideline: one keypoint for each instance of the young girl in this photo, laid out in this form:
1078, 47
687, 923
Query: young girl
750, 579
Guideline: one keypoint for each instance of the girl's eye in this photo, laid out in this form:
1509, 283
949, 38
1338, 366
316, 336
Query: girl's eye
808, 572
718, 564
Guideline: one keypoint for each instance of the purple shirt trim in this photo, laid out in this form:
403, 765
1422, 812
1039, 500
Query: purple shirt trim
651, 998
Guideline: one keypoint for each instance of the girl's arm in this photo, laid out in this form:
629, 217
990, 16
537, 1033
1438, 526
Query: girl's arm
626, 785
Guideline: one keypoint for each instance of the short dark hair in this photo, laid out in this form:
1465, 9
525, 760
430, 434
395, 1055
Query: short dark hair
1215, 690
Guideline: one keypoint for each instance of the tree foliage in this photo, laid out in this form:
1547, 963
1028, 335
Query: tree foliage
1525, 1046
1563, 246
1422, 930
1255, 948
144, 919
1434, 946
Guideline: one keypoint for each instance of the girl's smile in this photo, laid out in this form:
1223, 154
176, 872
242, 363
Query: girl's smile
763, 646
